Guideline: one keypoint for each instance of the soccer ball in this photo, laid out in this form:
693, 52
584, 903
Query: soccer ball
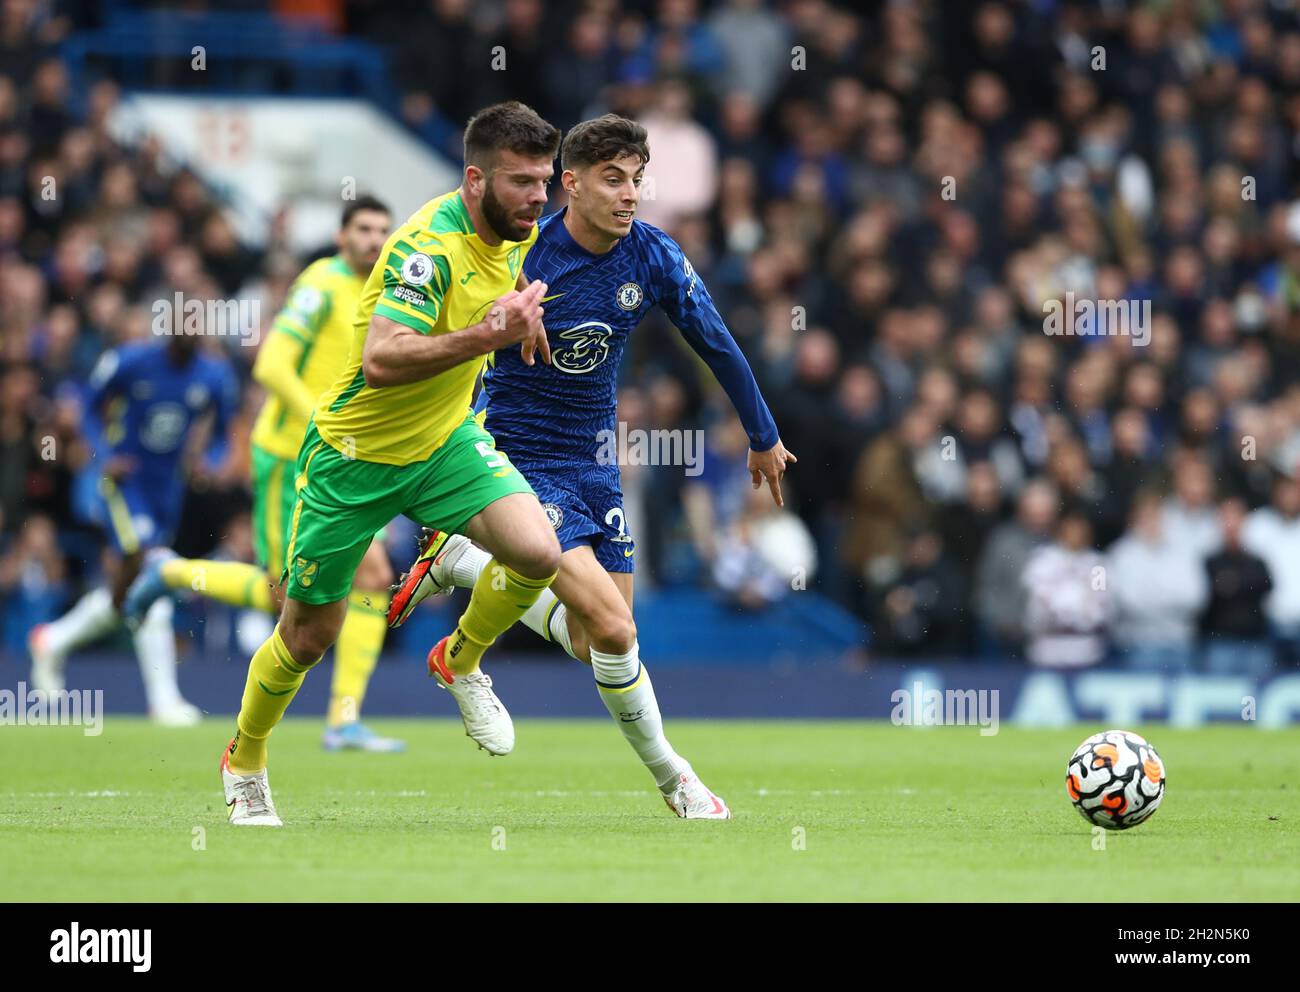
1115, 779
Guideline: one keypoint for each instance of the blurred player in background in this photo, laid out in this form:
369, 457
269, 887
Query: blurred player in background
605, 271
305, 353
150, 396
395, 435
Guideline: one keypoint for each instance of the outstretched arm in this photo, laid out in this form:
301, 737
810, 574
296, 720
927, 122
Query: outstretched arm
688, 305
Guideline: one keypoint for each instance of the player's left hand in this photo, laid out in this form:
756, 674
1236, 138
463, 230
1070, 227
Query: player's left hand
770, 465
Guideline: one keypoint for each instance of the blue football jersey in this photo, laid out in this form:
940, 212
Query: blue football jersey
592, 304
149, 404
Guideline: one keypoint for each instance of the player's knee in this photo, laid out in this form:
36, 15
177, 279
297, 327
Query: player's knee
307, 638
538, 557
612, 631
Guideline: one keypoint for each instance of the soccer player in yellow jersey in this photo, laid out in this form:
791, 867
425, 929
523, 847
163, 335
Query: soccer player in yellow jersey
307, 349
395, 435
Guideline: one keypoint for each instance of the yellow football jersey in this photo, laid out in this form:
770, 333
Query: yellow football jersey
436, 276
318, 316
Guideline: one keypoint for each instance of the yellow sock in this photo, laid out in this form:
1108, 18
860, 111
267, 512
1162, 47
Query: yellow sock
233, 582
273, 681
355, 654
500, 597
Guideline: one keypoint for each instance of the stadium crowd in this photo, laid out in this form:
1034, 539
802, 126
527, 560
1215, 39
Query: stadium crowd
881, 197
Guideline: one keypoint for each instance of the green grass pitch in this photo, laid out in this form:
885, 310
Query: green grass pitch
823, 811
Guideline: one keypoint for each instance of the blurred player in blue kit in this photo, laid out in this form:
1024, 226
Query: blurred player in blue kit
149, 397
605, 270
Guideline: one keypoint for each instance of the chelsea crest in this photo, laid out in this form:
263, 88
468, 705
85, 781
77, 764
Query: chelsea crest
629, 296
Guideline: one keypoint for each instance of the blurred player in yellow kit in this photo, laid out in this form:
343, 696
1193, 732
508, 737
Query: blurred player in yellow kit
306, 351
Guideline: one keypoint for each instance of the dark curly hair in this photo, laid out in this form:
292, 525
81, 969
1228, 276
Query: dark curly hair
602, 139
510, 126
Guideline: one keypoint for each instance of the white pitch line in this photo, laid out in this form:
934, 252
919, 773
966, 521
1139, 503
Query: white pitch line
97, 794
425, 793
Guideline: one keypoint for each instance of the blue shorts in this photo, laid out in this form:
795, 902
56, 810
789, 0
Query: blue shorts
138, 515
584, 502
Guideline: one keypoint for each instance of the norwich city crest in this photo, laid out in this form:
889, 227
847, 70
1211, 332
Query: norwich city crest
305, 571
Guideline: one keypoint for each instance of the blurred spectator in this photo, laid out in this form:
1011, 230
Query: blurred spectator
33, 587
966, 528
1190, 512
682, 177
579, 68
977, 437
763, 555
756, 49
887, 495
1000, 594
1069, 606
1273, 533
1131, 466
1159, 588
922, 612
1234, 624
715, 499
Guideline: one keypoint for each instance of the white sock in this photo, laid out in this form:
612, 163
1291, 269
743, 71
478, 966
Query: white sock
624, 687
469, 564
467, 567
548, 618
90, 619
155, 648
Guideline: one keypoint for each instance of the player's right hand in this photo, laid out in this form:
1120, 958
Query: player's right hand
534, 343
517, 315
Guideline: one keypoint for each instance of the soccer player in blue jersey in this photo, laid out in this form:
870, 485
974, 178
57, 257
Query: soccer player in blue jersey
149, 397
605, 270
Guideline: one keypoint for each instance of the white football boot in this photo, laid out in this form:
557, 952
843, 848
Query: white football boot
47, 667
177, 713
486, 721
248, 796
692, 800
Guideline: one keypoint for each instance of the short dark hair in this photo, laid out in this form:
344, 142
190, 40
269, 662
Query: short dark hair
364, 202
603, 139
510, 126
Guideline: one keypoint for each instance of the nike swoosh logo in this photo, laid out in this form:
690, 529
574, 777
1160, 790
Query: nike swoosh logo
272, 692
547, 299
629, 552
